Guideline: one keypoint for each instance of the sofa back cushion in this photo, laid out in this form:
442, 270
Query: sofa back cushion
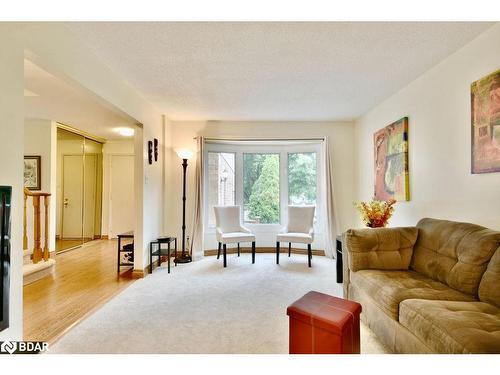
454, 253
489, 288
380, 248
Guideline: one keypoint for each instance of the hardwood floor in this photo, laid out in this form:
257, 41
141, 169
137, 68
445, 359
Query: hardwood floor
84, 279
62, 245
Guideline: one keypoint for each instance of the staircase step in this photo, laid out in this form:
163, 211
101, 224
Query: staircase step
33, 272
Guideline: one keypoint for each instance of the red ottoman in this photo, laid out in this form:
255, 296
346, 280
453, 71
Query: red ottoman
322, 324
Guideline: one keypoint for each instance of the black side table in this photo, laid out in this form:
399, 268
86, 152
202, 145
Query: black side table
340, 270
127, 249
158, 252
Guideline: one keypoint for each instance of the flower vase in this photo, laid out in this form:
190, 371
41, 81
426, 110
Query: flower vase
375, 225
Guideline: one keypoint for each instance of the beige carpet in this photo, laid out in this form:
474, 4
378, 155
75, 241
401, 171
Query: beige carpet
203, 308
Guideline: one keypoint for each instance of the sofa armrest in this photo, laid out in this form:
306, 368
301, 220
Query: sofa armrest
380, 248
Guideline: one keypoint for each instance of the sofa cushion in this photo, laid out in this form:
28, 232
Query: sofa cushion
489, 290
389, 288
380, 248
454, 253
453, 326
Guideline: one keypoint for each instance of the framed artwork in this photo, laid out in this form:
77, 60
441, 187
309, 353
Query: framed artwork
32, 172
391, 162
485, 119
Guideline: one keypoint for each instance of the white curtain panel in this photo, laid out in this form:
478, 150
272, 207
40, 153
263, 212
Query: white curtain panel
332, 224
197, 226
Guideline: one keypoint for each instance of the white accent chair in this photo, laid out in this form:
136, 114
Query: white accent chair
299, 229
230, 230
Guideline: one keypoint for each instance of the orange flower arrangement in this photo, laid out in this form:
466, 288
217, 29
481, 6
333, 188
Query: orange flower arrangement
376, 214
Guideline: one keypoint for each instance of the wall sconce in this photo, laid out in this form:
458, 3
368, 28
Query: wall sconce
150, 152
156, 149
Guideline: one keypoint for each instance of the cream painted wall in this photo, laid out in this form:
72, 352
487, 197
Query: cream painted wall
125, 147
11, 168
167, 154
40, 138
341, 136
439, 111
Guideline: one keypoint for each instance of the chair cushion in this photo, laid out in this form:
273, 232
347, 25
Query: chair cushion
389, 288
294, 238
300, 219
488, 288
453, 326
236, 237
454, 253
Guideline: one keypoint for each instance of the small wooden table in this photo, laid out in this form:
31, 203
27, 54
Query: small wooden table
129, 234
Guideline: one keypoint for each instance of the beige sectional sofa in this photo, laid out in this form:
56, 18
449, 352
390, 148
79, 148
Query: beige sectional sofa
433, 288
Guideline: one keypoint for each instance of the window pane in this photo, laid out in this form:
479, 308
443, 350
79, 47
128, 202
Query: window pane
261, 188
302, 178
221, 190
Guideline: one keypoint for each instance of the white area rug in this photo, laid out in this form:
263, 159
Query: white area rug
203, 308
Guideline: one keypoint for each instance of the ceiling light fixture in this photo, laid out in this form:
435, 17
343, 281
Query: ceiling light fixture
126, 132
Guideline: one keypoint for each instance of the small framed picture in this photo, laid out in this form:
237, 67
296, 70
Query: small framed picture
32, 172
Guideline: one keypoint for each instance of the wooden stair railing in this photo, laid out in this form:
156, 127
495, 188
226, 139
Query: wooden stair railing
38, 253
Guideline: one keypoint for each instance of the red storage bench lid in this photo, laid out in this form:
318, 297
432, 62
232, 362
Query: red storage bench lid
324, 311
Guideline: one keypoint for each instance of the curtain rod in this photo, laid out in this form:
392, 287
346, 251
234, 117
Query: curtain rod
264, 139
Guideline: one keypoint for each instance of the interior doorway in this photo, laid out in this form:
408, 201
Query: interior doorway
79, 185
76, 164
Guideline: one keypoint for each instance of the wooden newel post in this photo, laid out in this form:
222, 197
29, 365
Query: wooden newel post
46, 226
37, 250
38, 254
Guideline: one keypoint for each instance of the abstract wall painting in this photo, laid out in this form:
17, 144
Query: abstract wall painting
485, 119
391, 162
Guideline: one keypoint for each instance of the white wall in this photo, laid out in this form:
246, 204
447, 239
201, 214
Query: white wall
341, 142
11, 168
40, 139
439, 111
125, 147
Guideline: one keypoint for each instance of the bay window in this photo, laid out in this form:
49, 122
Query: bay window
263, 177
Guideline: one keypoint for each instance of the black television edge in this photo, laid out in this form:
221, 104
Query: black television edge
5, 202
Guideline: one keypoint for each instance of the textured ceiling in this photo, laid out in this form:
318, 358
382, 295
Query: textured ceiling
49, 97
272, 71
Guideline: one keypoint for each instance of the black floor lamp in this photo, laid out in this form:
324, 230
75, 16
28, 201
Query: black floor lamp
184, 155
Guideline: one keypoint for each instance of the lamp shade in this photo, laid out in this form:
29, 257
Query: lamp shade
184, 153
